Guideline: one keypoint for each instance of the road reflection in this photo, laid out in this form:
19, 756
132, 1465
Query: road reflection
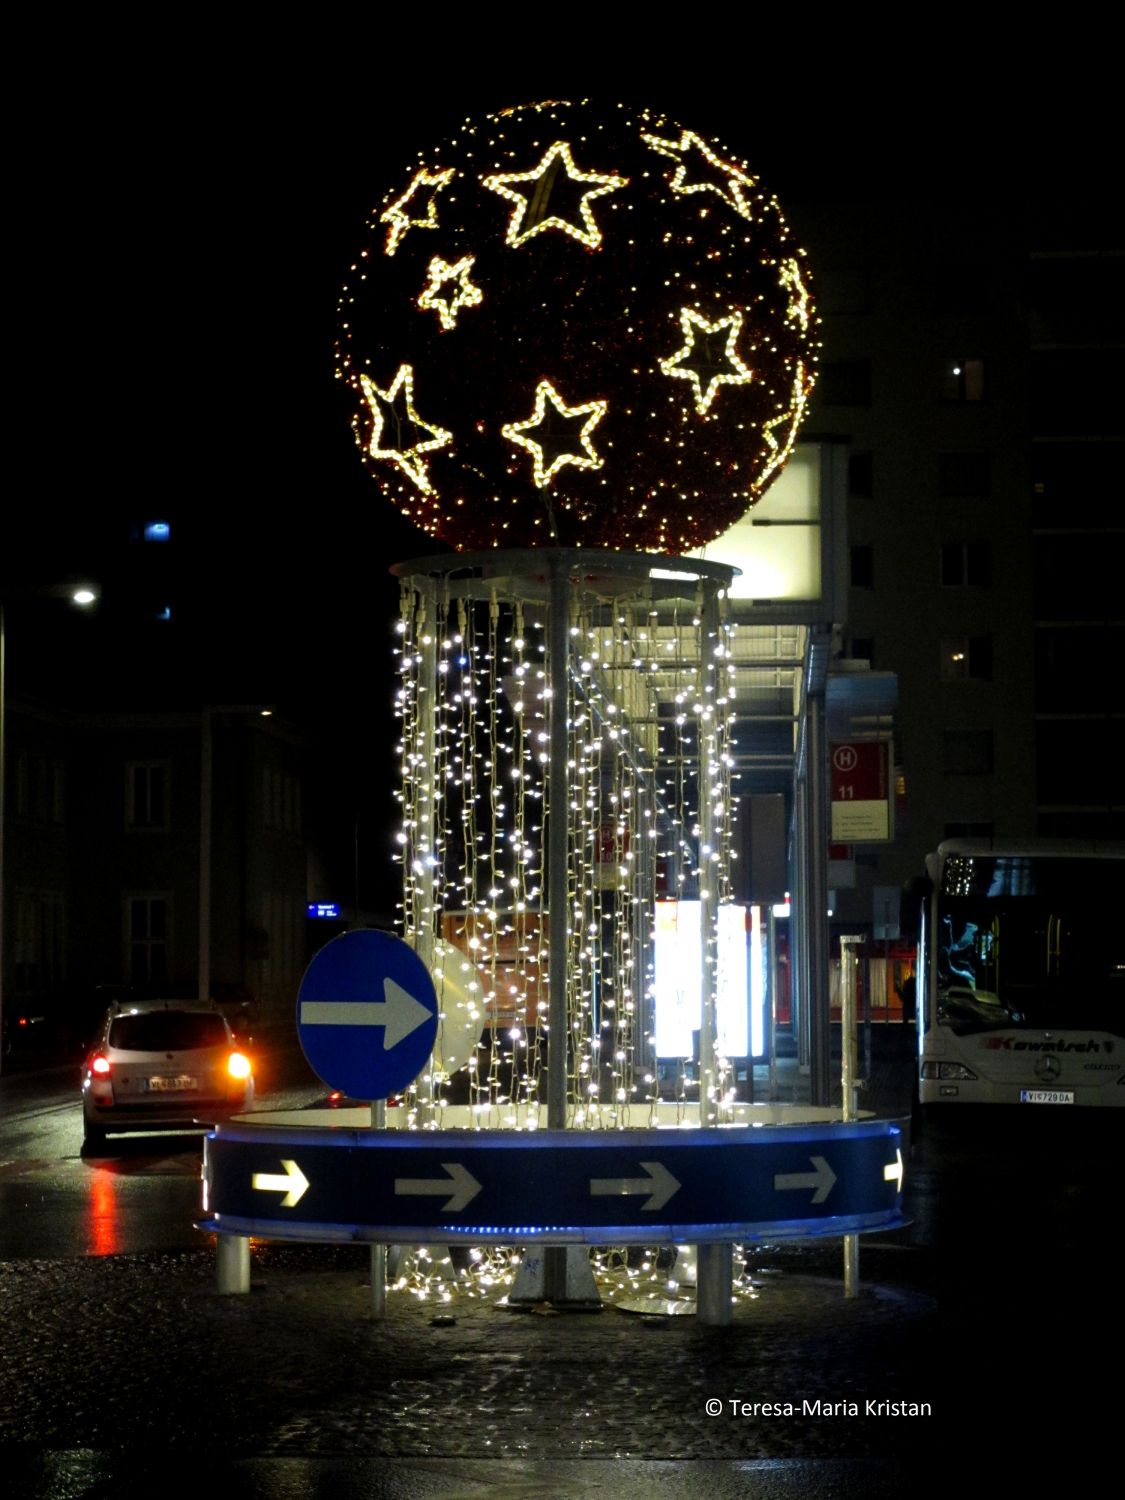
103, 1214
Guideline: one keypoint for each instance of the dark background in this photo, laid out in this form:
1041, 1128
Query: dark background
184, 221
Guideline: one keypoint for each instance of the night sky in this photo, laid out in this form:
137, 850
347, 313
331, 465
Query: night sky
182, 244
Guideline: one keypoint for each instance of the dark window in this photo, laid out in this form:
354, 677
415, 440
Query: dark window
1102, 823
966, 564
962, 380
1073, 393
846, 383
146, 795
1070, 669
966, 752
1073, 478
966, 658
861, 475
1076, 299
863, 566
963, 288
38, 946
968, 830
964, 476
1076, 577
167, 1031
147, 939
1078, 762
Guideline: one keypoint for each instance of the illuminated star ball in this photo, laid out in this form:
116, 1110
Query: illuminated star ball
579, 327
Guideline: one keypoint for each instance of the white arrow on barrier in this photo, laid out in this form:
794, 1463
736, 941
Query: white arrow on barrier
461, 1185
398, 1012
823, 1179
293, 1184
659, 1185
894, 1172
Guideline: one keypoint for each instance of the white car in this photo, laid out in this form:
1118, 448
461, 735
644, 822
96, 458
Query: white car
162, 1065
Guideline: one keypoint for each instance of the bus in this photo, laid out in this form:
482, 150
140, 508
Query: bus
1020, 982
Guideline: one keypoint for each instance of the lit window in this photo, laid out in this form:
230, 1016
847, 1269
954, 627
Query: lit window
966, 658
962, 380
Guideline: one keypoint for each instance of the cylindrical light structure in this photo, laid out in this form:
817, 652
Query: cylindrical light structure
565, 765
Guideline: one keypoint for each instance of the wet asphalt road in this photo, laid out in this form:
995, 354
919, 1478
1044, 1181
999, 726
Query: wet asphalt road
993, 1309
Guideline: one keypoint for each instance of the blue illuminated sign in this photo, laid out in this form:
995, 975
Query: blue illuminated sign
592, 1187
367, 1014
326, 909
157, 531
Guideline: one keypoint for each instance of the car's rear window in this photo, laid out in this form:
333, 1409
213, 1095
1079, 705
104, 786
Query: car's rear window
167, 1031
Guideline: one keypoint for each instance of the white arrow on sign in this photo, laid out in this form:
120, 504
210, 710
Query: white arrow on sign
461, 1185
823, 1179
659, 1185
398, 1012
893, 1171
292, 1184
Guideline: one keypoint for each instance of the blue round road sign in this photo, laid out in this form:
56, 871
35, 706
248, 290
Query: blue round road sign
367, 1014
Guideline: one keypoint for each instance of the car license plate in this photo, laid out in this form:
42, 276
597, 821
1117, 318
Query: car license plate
1046, 1096
167, 1083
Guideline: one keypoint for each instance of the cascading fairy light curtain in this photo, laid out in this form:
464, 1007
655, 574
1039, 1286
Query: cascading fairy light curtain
648, 710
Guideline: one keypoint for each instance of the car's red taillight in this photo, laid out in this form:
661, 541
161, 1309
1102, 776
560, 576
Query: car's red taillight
99, 1064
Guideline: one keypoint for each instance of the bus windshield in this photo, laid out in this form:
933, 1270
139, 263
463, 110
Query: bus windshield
1027, 940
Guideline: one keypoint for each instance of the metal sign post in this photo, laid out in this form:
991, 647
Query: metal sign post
367, 1018
848, 1083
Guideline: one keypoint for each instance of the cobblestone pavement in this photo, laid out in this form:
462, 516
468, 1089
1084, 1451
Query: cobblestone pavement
140, 1351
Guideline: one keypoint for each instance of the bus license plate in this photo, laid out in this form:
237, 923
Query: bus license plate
1046, 1096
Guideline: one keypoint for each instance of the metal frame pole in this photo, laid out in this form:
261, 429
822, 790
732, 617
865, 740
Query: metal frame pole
771, 939
709, 1102
379, 1252
848, 1086
817, 886
799, 927
426, 916
714, 1273
558, 804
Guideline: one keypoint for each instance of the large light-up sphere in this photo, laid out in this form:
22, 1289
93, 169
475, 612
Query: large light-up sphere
580, 327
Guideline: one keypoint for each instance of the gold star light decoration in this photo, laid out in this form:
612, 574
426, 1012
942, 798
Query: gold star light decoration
793, 415
534, 213
607, 312
709, 357
726, 180
449, 289
403, 212
395, 421
557, 443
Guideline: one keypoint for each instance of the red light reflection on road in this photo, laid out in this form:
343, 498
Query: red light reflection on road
104, 1222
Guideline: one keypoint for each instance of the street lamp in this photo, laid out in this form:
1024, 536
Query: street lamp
83, 595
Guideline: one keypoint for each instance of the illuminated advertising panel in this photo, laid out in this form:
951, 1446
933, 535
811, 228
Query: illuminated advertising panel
740, 989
